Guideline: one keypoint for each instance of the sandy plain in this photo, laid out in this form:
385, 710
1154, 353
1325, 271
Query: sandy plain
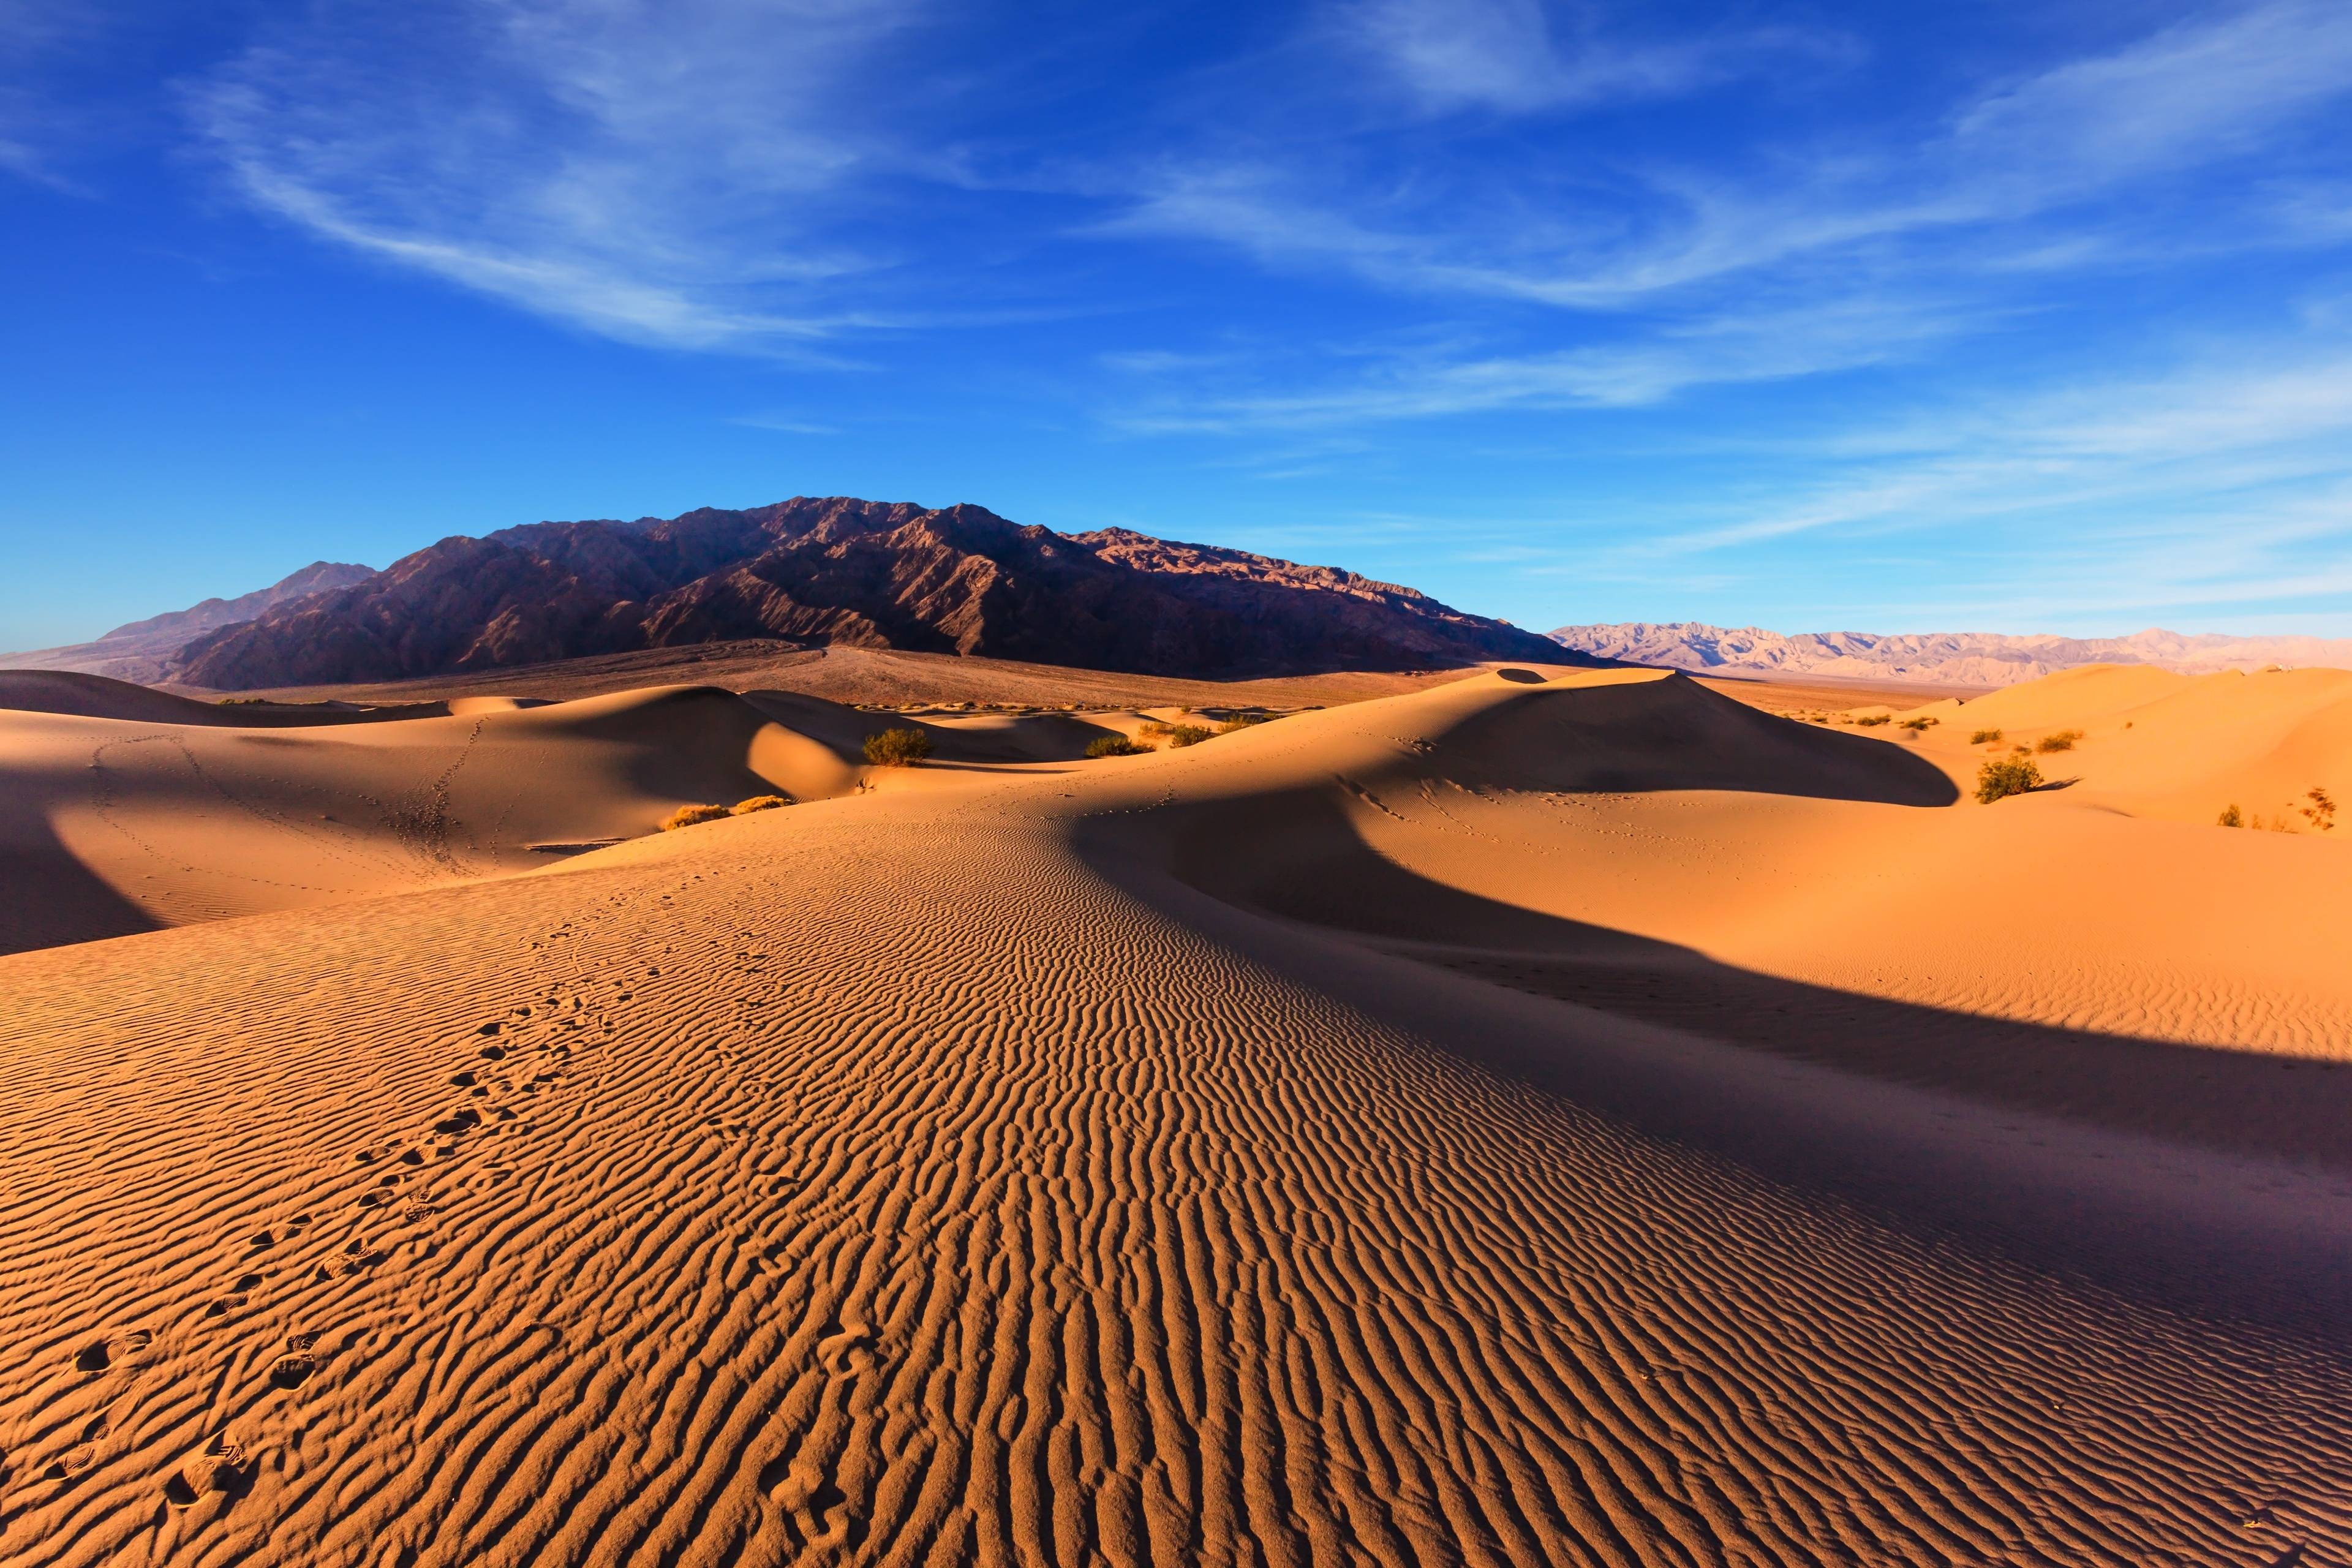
1548, 1116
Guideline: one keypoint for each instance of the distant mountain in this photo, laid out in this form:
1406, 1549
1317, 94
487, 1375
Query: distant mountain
834, 570
1959, 658
143, 650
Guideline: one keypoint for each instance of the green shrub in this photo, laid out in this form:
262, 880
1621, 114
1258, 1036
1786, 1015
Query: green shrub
1187, 734
2058, 741
1114, 746
897, 748
2230, 817
2001, 777
687, 815
1241, 721
1985, 738
759, 803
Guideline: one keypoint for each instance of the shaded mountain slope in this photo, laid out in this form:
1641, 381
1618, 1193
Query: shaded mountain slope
141, 651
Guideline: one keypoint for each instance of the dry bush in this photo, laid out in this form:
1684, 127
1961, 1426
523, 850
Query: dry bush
1187, 734
1985, 738
2230, 816
2001, 777
1114, 746
2058, 741
759, 803
687, 815
2321, 812
897, 748
1922, 725
1868, 720
1241, 721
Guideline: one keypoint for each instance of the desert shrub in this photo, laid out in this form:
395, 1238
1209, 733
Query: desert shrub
1114, 746
687, 815
1187, 734
2058, 741
1241, 721
2230, 816
1985, 738
1867, 720
2001, 777
1921, 724
2321, 812
897, 748
759, 803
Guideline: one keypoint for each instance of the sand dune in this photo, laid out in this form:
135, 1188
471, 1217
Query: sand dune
1572, 1119
2179, 747
123, 821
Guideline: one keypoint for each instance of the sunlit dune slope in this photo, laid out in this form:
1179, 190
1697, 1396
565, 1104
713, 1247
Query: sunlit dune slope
2182, 748
1404, 1133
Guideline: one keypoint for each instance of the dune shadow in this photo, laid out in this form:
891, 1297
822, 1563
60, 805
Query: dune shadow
53, 900
1676, 734
1323, 873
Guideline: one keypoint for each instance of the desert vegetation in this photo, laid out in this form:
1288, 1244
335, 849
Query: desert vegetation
2230, 816
1241, 722
2321, 811
2058, 741
1114, 746
2001, 777
1985, 738
1921, 725
689, 815
897, 748
1870, 721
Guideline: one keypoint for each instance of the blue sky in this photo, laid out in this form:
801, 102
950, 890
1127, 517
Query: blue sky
2009, 317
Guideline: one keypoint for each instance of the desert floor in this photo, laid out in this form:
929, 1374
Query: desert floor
1548, 1116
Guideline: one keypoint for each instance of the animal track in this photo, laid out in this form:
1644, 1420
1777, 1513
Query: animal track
816, 1511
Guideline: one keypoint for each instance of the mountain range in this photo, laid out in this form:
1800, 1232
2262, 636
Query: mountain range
957, 580
1959, 658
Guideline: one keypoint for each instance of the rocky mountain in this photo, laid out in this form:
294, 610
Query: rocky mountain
1960, 658
834, 570
144, 650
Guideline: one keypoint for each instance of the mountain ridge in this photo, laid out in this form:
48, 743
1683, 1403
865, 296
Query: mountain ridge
141, 651
836, 570
1963, 658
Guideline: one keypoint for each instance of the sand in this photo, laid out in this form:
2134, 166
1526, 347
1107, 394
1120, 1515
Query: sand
1545, 1117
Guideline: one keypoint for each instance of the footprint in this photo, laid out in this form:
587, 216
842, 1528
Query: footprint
93, 1358
293, 1369
463, 1080
492, 1027
221, 1470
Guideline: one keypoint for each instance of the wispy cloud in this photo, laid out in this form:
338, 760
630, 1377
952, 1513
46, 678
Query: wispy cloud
2193, 98
662, 173
1517, 56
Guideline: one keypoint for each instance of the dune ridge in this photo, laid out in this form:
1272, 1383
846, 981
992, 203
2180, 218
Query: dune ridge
1055, 1163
